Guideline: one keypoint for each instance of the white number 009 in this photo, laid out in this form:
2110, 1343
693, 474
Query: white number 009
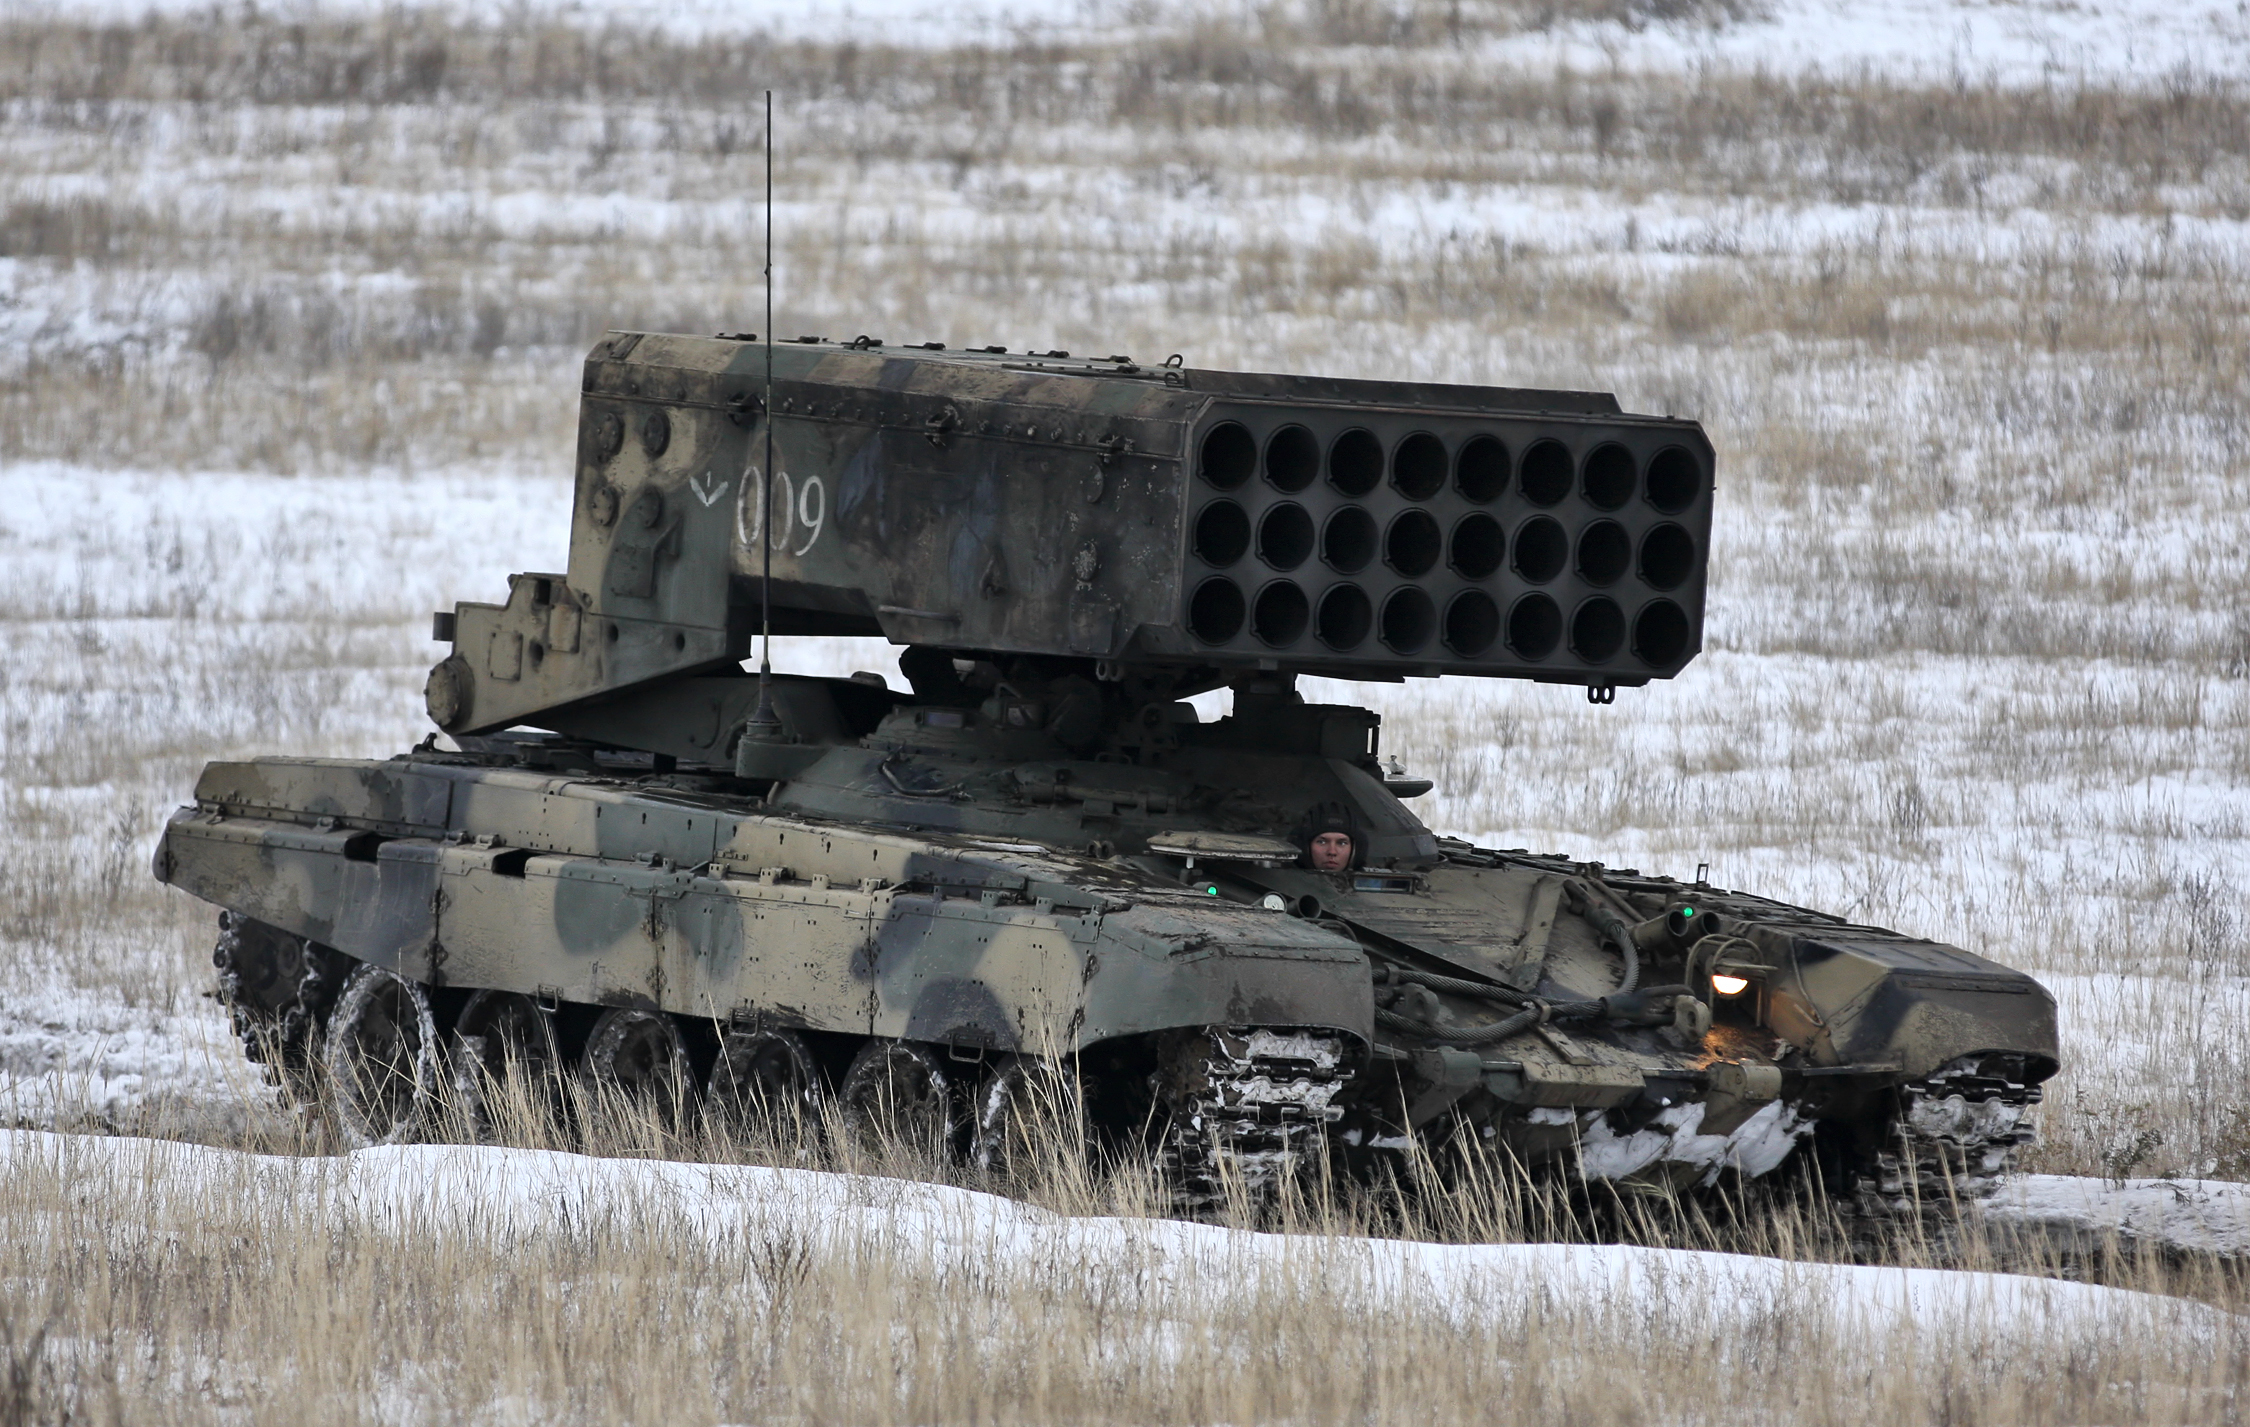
807, 507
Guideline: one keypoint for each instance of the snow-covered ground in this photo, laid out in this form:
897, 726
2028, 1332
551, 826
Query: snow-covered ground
425, 1283
2042, 41
2019, 41
895, 21
408, 1190
1979, 657
2197, 1215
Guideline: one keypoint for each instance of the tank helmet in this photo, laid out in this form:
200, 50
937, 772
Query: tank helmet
1326, 818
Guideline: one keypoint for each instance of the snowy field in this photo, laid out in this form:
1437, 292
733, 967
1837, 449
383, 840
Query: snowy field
2036, 41
506, 1192
291, 310
984, 1302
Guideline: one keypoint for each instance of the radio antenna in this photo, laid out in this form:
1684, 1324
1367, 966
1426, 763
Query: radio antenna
765, 723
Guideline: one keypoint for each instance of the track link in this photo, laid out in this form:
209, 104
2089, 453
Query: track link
1956, 1132
1250, 1107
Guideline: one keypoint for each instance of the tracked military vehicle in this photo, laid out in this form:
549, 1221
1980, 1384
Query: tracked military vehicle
630, 859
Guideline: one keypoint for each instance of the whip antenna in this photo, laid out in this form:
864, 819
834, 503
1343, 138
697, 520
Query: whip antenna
765, 723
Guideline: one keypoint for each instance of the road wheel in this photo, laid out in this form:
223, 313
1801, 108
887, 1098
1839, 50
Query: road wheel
382, 1056
506, 1064
640, 1057
766, 1083
1024, 1115
897, 1098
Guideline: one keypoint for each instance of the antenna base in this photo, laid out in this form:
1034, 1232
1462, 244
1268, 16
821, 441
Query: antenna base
764, 725
764, 740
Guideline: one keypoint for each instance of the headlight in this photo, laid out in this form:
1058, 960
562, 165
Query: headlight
1730, 985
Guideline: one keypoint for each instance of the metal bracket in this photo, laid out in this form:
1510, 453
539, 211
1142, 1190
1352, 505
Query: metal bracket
941, 425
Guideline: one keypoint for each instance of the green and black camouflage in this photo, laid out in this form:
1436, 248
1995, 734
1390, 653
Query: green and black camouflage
1042, 858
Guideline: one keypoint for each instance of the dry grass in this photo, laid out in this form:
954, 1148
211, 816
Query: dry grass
286, 1290
590, 177
1973, 357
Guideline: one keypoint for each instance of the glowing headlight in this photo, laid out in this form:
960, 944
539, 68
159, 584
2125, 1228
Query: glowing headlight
1730, 985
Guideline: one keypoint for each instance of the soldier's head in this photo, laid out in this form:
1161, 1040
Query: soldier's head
1330, 841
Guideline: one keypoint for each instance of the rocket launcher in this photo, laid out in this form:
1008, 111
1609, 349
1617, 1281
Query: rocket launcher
1136, 517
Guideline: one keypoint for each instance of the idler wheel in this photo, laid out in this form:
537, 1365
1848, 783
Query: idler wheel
898, 1098
1026, 1110
766, 1082
639, 1057
382, 1059
506, 1063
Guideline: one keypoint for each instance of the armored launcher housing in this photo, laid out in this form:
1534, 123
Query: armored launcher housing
1041, 862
